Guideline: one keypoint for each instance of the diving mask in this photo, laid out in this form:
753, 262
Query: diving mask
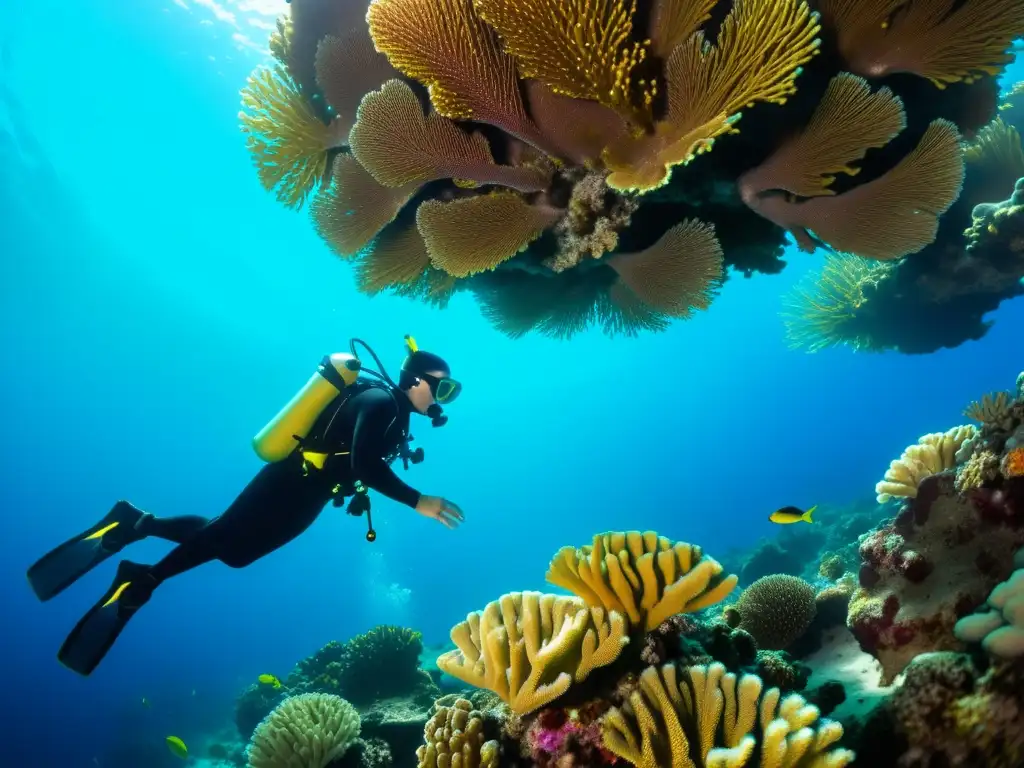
443, 388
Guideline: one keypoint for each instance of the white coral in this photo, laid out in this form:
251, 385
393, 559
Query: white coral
932, 454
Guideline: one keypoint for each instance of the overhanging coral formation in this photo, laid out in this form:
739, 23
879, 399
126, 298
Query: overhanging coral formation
611, 131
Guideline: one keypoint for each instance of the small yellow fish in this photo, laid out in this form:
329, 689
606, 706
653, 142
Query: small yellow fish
788, 515
177, 747
269, 680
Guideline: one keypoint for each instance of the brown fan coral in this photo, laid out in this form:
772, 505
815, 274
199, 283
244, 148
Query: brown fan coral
579, 48
756, 58
446, 46
943, 40
672, 21
993, 410
892, 216
475, 234
397, 259
286, 138
399, 144
677, 274
354, 208
347, 68
849, 121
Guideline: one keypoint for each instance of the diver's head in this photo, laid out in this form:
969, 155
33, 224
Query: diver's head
427, 380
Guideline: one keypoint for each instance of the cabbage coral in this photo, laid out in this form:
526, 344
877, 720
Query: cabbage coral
574, 163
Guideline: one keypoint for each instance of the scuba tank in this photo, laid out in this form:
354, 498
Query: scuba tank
292, 424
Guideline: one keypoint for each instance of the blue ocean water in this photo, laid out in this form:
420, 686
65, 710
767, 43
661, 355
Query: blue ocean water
158, 306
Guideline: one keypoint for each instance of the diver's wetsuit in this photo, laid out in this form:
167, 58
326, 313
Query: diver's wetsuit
284, 499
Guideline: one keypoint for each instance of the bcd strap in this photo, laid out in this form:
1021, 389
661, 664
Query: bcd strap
330, 373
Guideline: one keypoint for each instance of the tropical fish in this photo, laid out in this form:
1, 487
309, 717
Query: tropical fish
269, 680
788, 515
177, 747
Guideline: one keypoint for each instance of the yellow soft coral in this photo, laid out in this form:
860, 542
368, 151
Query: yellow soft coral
643, 576
454, 736
756, 57
706, 720
579, 48
287, 140
932, 454
529, 648
993, 410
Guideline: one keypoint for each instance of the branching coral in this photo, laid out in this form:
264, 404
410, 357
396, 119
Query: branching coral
475, 234
579, 48
446, 46
933, 453
822, 309
945, 41
776, 610
892, 216
287, 140
399, 145
993, 410
850, 120
707, 719
529, 648
756, 58
643, 576
352, 210
454, 737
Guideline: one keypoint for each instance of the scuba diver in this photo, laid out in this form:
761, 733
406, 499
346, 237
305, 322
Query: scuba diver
336, 439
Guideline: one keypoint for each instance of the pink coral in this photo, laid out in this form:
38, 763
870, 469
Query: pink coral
936, 561
568, 737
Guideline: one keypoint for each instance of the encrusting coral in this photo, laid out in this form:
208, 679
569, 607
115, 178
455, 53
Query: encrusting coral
605, 132
707, 720
933, 453
306, 731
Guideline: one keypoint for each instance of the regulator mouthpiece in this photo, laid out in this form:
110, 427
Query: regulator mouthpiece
436, 414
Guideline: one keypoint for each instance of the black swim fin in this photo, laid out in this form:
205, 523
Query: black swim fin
96, 632
61, 567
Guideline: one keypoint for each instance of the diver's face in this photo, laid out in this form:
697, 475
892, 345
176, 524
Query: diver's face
420, 395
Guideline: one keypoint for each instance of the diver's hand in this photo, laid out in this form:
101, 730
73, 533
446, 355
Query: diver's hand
442, 510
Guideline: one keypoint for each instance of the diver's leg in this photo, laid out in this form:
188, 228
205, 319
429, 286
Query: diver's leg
277, 505
178, 529
62, 566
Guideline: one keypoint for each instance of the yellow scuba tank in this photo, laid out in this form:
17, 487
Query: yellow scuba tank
292, 423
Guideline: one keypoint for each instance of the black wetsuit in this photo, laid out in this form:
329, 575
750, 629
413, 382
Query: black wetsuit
362, 434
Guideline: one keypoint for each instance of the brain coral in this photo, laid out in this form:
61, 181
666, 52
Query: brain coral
776, 610
576, 164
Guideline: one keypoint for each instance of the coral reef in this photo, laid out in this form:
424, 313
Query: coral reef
931, 454
776, 610
634, 152
942, 555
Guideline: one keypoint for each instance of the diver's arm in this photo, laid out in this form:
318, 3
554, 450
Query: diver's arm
374, 415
